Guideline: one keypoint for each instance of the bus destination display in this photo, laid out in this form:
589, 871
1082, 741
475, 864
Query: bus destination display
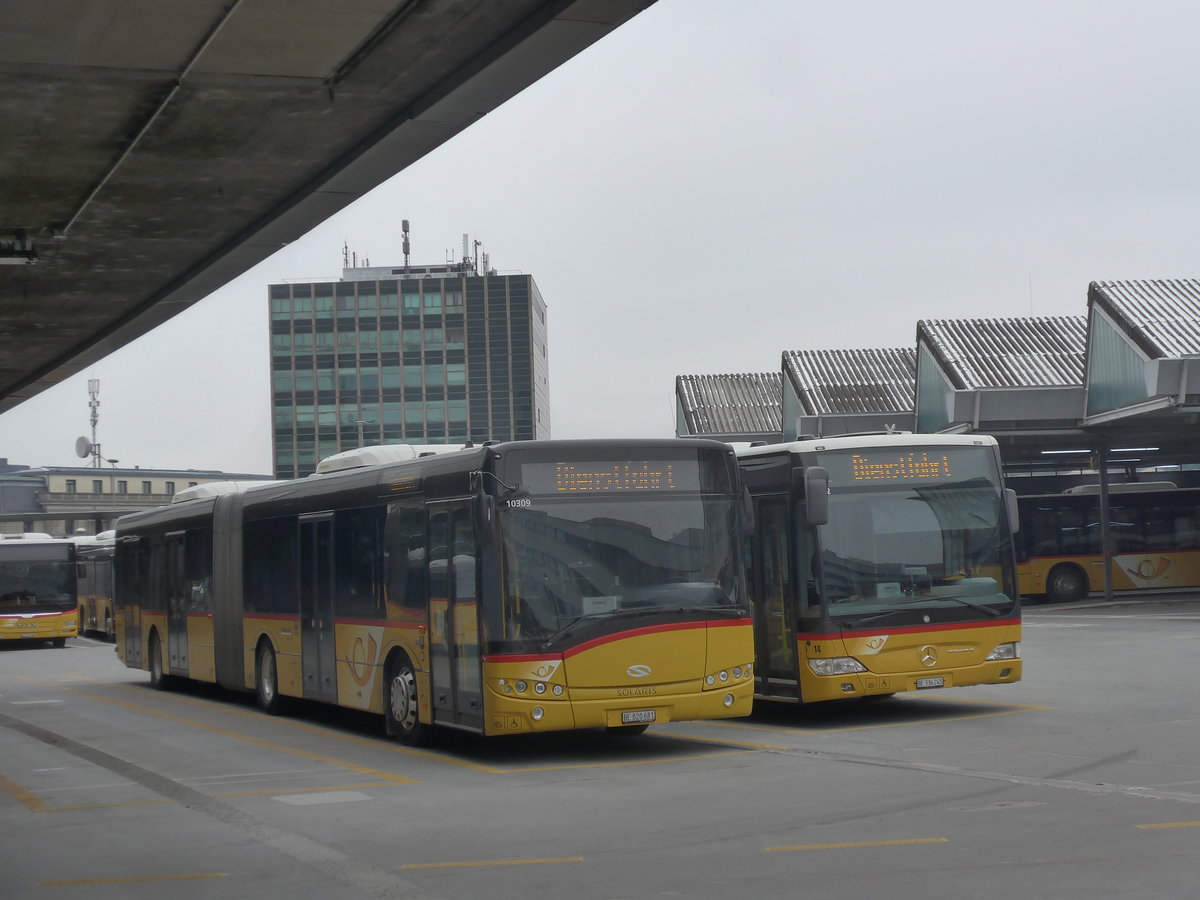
915, 465
610, 476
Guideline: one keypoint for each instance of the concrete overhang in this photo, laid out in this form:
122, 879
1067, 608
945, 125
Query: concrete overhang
152, 152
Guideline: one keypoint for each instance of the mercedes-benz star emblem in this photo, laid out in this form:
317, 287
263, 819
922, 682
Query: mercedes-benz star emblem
928, 656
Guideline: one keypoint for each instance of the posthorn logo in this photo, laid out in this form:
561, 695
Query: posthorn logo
638, 671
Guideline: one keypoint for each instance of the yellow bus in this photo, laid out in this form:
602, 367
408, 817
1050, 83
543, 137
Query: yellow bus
94, 579
1155, 530
37, 589
881, 564
501, 589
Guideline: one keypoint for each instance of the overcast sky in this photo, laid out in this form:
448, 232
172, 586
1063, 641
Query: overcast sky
722, 180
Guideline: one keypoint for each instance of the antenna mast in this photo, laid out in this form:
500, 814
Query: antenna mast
94, 403
404, 246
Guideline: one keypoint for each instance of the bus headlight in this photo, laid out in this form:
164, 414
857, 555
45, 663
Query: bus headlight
537, 713
539, 687
557, 690
728, 699
842, 665
521, 686
1006, 651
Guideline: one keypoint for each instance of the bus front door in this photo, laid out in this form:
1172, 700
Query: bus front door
455, 662
177, 619
775, 612
318, 656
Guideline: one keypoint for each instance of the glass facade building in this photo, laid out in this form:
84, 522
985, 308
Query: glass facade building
416, 355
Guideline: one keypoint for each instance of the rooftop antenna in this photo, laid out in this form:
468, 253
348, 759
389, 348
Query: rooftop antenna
478, 244
345, 254
83, 447
404, 246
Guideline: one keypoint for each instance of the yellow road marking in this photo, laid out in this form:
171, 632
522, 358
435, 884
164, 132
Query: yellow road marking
849, 844
130, 880
31, 801
493, 862
1172, 825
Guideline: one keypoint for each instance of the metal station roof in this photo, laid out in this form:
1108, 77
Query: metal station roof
150, 152
1162, 316
1008, 353
731, 404
832, 382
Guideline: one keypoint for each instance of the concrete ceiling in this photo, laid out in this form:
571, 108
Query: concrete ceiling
153, 151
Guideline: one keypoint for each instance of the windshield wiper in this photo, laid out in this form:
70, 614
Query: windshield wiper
915, 600
605, 614
731, 612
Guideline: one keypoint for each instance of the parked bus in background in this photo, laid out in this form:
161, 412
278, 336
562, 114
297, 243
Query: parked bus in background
94, 578
881, 564
1155, 533
503, 589
37, 589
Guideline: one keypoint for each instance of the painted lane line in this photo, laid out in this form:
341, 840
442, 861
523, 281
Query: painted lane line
493, 862
852, 844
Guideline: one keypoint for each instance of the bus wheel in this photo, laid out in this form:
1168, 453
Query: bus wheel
58, 642
1065, 584
159, 680
266, 680
400, 704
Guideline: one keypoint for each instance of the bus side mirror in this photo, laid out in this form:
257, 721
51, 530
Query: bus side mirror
1014, 513
485, 517
816, 495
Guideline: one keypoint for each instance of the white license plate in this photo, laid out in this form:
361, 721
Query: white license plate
641, 715
931, 682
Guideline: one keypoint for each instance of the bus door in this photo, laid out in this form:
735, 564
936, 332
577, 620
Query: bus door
776, 616
134, 595
455, 663
317, 646
177, 605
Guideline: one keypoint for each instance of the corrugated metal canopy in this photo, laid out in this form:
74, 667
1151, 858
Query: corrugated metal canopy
829, 382
1009, 353
1161, 315
731, 404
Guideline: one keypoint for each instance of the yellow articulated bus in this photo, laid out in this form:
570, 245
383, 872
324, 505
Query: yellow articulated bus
881, 564
37, 589
94, 557
503, 589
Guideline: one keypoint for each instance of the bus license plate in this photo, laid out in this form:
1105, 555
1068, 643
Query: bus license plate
641, 715
931, 682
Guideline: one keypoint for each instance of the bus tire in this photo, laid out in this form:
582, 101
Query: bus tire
58, 642
159, 679
401, 703
1065, 584
266, 680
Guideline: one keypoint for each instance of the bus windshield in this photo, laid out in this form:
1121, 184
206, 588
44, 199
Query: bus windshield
930, 544
568, 559
40, 580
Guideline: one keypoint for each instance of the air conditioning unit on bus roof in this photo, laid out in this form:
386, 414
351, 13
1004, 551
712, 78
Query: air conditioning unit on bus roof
379, 455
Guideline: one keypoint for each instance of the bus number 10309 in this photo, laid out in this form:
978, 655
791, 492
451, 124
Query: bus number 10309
520, 502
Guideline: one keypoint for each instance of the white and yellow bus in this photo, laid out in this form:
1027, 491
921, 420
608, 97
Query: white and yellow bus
94, 557
37, 589
881, 564
504, 589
